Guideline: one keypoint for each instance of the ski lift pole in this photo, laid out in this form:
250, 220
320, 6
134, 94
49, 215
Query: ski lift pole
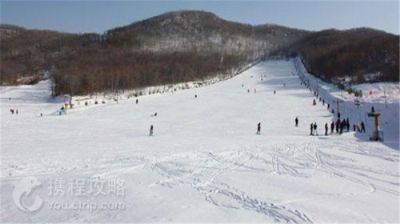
384, 95
338, 101
357, 102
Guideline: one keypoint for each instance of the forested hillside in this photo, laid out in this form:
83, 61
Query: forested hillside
357, 55
186, 46
170, 48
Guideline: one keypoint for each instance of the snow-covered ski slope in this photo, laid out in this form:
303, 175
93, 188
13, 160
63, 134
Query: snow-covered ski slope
204, 163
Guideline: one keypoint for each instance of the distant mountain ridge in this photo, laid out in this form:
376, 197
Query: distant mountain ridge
205, 32
164, 49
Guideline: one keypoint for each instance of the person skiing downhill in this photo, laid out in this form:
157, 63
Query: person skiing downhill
296, 121
258, 128
151, 130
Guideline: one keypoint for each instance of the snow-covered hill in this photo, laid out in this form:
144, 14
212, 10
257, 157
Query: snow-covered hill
204, 162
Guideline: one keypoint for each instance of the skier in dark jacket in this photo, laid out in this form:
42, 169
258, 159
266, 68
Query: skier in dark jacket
151, 130
137, 101
362, 126
342, 125
332, 127
296, 121
311, 129
337, 125
348, 124
315, 128
326, 128
258, 128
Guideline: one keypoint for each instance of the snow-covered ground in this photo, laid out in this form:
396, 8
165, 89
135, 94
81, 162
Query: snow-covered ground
204, 163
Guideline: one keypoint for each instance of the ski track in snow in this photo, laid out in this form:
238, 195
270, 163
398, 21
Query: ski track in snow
208, 153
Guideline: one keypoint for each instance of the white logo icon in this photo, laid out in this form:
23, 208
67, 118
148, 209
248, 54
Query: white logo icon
22, 193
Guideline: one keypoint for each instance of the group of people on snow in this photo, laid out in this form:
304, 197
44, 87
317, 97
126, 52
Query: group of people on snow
339, 126
313, 128
14, 111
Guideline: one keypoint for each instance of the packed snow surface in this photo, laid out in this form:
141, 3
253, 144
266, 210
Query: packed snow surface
205, 162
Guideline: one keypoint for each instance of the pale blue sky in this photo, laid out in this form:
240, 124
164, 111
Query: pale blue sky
98, 16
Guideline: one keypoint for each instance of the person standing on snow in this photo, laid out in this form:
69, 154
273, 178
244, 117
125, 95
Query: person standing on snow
258, 128
137, 101
326, 129
151, 130
362, 126
296, 121
337, 125
311, 129
342, 126
332, 127
315, 128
